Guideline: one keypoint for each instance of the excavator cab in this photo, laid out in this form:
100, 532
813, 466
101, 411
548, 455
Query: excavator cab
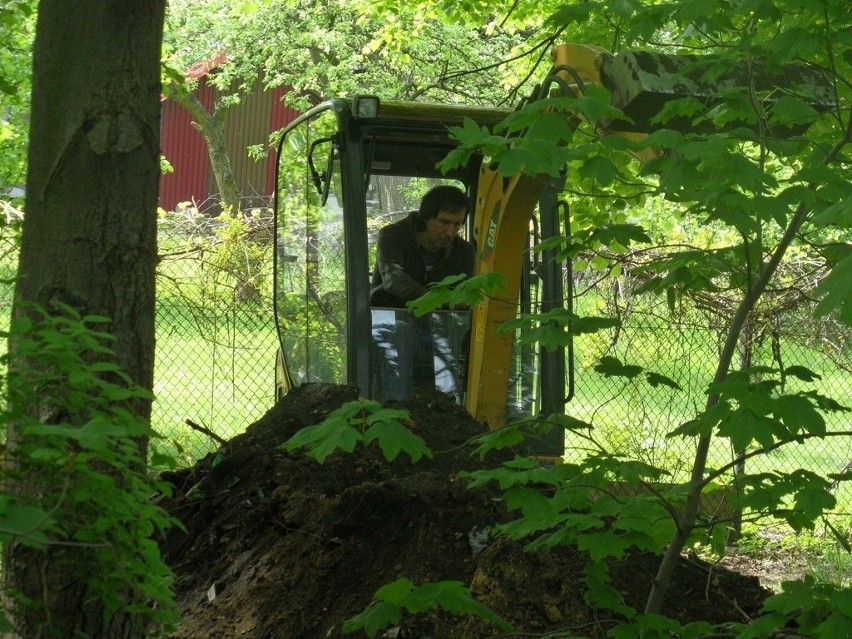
346, 168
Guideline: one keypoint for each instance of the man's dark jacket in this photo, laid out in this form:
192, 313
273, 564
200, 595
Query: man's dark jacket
400, 273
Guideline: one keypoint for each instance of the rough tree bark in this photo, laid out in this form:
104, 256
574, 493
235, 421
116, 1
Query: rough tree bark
89, 238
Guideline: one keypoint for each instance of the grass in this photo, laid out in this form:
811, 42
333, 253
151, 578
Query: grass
215, 355
782, 554
219, 374
831, 566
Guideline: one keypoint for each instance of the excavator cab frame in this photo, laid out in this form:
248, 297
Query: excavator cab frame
347, 167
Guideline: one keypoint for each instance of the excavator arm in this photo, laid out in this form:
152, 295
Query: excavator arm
504, 208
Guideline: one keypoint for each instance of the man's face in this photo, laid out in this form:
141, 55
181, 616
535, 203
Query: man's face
442, 229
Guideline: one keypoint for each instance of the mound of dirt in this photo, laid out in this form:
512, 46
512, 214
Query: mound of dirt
279, 546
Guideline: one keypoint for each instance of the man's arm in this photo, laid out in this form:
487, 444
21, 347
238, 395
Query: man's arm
391, 261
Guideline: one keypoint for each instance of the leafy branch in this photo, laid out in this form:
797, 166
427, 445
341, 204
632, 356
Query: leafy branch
84, 444
361, 421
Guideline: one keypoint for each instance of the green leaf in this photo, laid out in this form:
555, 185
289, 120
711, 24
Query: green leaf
763, 626
842, 600
671, 298
623, 234
343, 428
568, 13
835, 627
624, 9
323, 439
595, 105
555, 328
798, 40
827, 403
838, 214
457, 291
519, 471
396, 593
794, 596
498, 439
798, 414
736, 210
836, 291
839, 620
604, 544
813, 498
569, 423
633, 471
612, 367
680, 175
600, 169
686, 276
744, 426
837, 534
551, 127
536, 508
657, 626
393, 438
390, 600
375, 618
656, 379
791, 111
26, 523
583, 325
802, 373
521, 159
602, 594
665, 138
455, 598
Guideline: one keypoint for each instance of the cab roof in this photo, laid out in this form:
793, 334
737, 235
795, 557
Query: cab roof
410, 138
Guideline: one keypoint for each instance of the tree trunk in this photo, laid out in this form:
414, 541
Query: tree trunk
689, 514
212, 129
89, 241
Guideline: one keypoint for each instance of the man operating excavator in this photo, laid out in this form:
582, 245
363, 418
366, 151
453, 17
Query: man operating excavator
422, 248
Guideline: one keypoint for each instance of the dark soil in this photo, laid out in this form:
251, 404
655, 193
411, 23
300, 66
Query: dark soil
278, 546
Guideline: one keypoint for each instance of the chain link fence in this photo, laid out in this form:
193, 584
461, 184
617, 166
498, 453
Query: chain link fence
216, 344
215, 332
633, 417
217, 370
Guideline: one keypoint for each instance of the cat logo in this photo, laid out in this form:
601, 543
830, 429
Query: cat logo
491, 235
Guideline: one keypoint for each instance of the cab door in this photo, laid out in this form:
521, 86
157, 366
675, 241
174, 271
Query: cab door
310, 253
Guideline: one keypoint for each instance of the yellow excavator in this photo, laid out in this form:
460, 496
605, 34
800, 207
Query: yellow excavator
347, 167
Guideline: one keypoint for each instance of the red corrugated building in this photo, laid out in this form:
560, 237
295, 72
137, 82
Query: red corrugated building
249, 123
